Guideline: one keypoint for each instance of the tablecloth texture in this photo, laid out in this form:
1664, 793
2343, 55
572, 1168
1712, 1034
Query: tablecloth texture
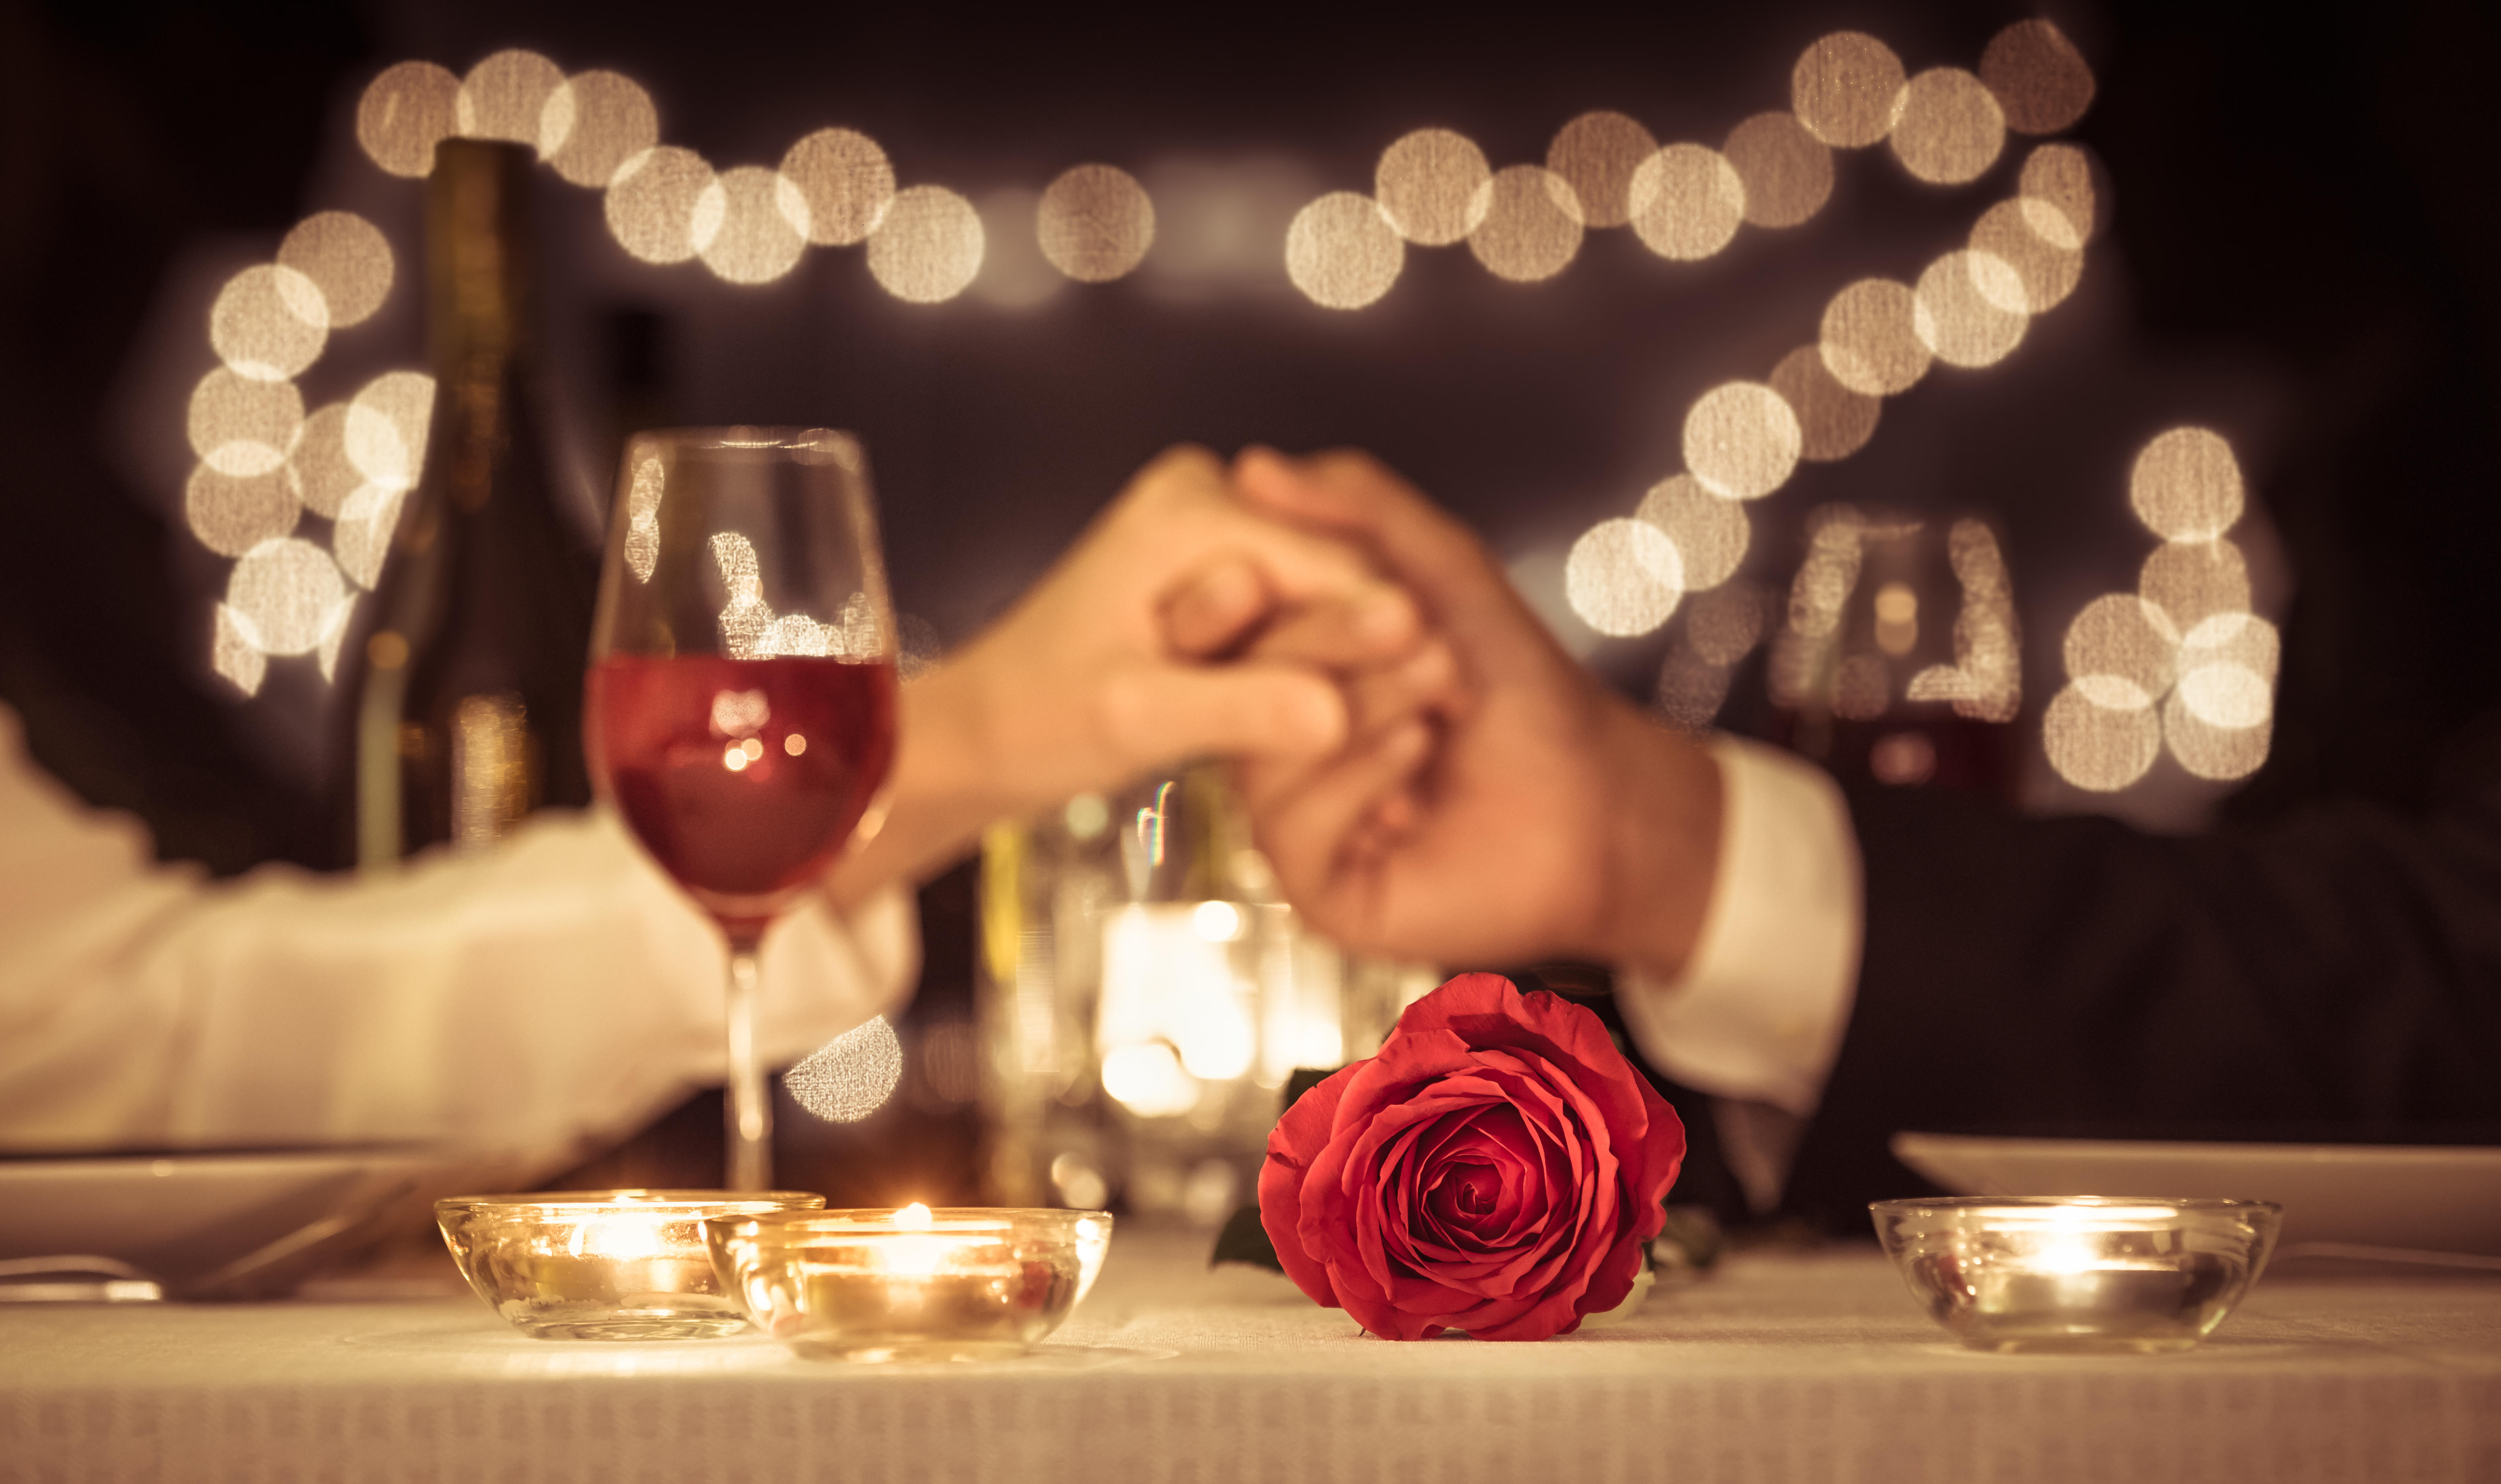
1789, 1368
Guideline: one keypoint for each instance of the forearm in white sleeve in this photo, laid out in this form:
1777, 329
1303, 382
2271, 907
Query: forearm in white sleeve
549, 993
1760, 1011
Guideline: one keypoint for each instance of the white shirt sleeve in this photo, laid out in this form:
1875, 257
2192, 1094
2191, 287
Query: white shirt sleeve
530, 1001
1759, 1012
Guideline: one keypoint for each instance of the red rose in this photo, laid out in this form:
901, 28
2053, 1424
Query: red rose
1495, 1170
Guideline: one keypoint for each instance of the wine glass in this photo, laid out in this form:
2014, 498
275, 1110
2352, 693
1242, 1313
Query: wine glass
741, 699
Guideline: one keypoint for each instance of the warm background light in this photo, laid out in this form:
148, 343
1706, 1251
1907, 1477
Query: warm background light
929, 247
652, 205
594, 123
1846, 89
763, 225
1342, 251
1833, 421
1427, 185
1530, 229
1623, 577
1786, 171
1741, 439
1095, 223
344, 257
404, 113
2038, 77
1951, 128
1596, 154
1687, 202
1711, 534
505, 97
1871, 340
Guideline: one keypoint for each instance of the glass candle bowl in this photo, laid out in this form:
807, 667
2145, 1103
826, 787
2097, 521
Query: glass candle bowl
2077, 1274
603, 1264
952, 1284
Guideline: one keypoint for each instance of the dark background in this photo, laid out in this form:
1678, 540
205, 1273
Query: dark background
2303, 243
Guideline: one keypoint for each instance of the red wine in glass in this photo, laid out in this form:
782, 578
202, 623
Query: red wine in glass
740, 708
743, 778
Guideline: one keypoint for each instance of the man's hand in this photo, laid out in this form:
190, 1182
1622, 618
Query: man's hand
1550, 819
1180, 624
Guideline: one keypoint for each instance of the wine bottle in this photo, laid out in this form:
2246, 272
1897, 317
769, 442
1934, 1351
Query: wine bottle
468, 686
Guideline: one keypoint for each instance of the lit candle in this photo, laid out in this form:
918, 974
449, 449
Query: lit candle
2078, 1272
608, 1265
912, 1284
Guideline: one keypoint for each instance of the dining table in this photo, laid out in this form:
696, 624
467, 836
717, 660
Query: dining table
1785, 1364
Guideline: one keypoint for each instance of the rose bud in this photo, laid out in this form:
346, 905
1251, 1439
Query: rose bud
1496, 1169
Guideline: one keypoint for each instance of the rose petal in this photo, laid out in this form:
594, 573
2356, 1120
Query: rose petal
1292, 1144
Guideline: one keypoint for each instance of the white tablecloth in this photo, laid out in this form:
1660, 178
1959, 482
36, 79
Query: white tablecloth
1778, 1368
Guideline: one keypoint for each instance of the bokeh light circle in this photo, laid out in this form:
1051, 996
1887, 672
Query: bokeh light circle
1741, 439
2038, 77
1342, 251
2194, 581
1687, 202
1960, 310
505, 97
384, 431
1530, 228
2220, 754
2186, 485
594, 123
1623, 577
347, 258
1871, 340
232, 513
1834, 422
653, 203
763, 225
2059, 178
2096, 748
1951, 129
1597, 153
362, 538
2235, 637
1095, 223
243, 426
2044, 270
2227, 694
404, 113
1427, 183
852, 1076
2120, 633
269, 322
848, 181
1787, 171
1846, 89
322, 474
930, 248
289, 593
1711, 534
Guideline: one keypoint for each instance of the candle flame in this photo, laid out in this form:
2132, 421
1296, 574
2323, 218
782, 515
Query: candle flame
914, 1217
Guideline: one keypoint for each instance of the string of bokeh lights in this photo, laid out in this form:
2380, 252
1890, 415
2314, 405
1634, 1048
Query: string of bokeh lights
265, 461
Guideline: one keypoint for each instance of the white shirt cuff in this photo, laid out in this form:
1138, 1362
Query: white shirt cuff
1760, 1009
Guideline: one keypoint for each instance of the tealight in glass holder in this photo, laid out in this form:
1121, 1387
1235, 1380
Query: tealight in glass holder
2078, 1273
605, 1264
952, 1284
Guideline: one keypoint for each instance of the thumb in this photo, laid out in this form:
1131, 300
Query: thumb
1169, 712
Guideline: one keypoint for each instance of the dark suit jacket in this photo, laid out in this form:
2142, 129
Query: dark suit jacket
2330, 954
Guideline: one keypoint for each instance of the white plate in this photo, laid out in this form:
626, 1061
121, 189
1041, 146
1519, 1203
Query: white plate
239, 1222
2441, 1198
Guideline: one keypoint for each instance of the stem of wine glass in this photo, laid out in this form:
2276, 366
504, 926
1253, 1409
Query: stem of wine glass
749, 1110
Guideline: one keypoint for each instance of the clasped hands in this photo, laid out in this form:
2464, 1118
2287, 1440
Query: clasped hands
1430, 776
